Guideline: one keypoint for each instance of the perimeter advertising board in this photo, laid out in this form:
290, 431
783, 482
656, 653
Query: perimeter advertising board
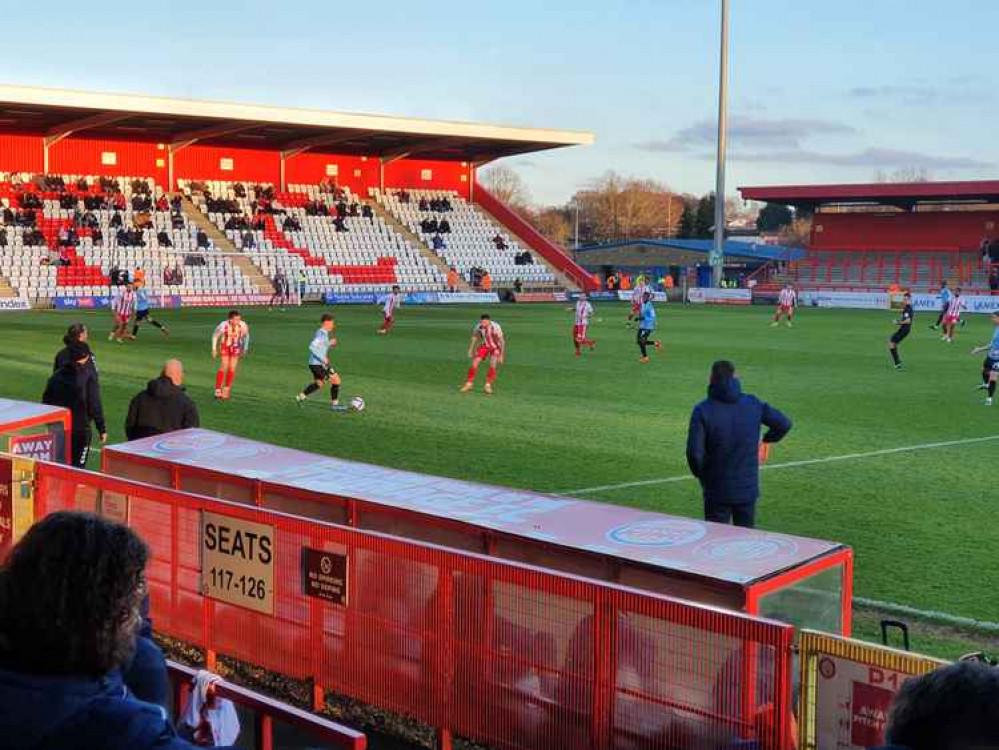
711, 296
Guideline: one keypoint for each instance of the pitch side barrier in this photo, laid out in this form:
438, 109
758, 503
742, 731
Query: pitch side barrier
503, 653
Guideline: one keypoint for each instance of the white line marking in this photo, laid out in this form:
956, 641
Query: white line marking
793, 464
928, 614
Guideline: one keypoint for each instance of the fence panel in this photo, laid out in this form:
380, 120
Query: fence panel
504, 653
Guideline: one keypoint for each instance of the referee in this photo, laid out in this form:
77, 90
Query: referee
904, 324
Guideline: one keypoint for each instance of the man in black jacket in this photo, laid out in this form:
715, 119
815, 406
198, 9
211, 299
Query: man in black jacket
723, 446
162, 407
75, 387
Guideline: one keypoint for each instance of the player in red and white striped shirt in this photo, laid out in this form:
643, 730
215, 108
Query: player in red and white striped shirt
584, 310
786, 302
388, 309
953, 316
637, 297
487, 341
122, 309
230, 341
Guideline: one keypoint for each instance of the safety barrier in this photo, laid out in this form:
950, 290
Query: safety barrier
500, 652
847, 688
266, 711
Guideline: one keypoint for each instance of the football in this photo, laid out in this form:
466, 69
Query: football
357, 403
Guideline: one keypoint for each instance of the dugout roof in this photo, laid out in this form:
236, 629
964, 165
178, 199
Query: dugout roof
12, 412
902, 194
56, 113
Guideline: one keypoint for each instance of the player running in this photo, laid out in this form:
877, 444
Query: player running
904, 324
392, 301
230, 342
953, 316
487, 341
945, 297
990, 367
637, 297
319, 363
786, 302
122, 308
142, 312
281, 294
584, 311
646, 325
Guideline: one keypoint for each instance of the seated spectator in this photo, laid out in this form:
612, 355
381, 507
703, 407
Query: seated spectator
201, 239
177, 220
81, 185
3, 238
163, 406
239, 190
248, 241
162, 204
367, 213
167, 276
423, 205
341, 208
291, 224
118, 201
403, 196
142, 220
139, 186
431, 226
163, 239
115, 220
259, 223
67, 201
339, 224
8, 216
178, 274
518, 285
353, 209
446, 204
97, 236
71, 598
438, 242
444, 227
34, 238
87, 219
27, 218
175, 203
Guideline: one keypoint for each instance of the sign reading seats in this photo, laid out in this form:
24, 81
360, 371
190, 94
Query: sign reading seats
237, 562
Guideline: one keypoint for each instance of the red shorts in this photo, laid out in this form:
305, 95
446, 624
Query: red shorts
785, 309
230, 351
635, 308
950, 320
485, 351
120, 320
389, 318
579, 333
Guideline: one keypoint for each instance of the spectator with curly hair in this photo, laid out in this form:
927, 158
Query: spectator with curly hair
71, 595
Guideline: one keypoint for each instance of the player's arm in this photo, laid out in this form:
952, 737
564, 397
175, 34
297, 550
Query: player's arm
471, 345
215, 341
245, 340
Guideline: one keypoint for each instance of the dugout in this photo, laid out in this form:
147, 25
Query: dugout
34, 431
804, 581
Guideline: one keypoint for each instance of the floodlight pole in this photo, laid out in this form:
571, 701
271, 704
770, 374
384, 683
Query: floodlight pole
718, 251
575, 200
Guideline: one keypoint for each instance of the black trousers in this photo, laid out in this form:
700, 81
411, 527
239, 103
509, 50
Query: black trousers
742, 514
643, 340
943, 311
79, 445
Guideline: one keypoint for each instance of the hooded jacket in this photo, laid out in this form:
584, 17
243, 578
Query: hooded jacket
61, 713
75, 388
162, 407
723, 442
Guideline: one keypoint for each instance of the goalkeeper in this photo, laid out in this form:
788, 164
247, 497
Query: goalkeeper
319, 363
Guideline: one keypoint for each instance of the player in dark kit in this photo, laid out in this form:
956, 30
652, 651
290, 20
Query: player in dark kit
904, 323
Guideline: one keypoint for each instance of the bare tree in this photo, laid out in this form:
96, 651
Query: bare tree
796, 234
507, 186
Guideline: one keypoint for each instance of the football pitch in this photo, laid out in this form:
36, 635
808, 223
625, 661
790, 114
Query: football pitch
899, 465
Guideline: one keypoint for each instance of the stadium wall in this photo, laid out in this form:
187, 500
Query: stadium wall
21, 153
113, 158
444, 175
936, 231
248, 165
356, 172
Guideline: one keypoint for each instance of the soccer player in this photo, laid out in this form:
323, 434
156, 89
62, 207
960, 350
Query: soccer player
637, 297
230, 342
990, 367
904, 324
584, 310
122, 308
319, 363
646, 325
487, 341
945, 297
391, 303
142, 312
953, 316
786, 302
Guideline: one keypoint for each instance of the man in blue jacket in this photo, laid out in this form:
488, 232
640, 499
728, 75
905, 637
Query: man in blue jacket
723, 446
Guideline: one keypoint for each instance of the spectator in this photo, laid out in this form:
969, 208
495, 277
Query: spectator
3, 238
431, 226
487, 282
71, 594
74, 387
518, 285
202, 239
163, 239
8, 216
367, 213
723, 446
438, 242
163, 406
452, 279
76, 333
423, 205
177, 220
994, 278
248, 241
444, 227
339, 225
178, 274
115, 221
955, 707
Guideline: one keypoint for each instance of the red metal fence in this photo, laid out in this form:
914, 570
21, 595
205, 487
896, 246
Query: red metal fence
503, 653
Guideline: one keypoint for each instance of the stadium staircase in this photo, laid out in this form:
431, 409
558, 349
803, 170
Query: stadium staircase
222, 244
6, 290
418, 243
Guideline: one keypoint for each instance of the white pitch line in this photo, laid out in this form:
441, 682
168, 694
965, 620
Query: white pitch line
928, 614
793, 464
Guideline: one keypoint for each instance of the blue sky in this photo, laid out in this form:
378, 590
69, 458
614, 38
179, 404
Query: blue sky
820, 91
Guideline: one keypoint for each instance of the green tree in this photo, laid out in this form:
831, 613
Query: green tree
686, 228
772, 217
705, 218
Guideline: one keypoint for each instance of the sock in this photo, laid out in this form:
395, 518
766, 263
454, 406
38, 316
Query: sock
491, 375
229, 377
218, 379
985, 377
156, 323
992, 389
471, 373
310, 389
894, 356
135, 330
334, 391
576, 344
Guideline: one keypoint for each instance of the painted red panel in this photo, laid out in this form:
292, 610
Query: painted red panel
249, 165
310, 168
132, 158
445, 175
872, 192
930, 230
21, 153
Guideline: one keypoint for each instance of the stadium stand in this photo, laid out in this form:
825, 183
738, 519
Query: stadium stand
334, 237
921, 272
62, 236
473, 240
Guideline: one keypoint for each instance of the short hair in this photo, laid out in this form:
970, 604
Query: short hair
70, 593
907, 294
233, 314
325, 318
395, 286
484, 316
722, 370
73, 333
955, 707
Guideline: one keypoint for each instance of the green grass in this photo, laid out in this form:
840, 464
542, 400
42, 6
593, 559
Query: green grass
921, 524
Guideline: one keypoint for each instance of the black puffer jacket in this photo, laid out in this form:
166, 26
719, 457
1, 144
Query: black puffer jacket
75, 388
162, 407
